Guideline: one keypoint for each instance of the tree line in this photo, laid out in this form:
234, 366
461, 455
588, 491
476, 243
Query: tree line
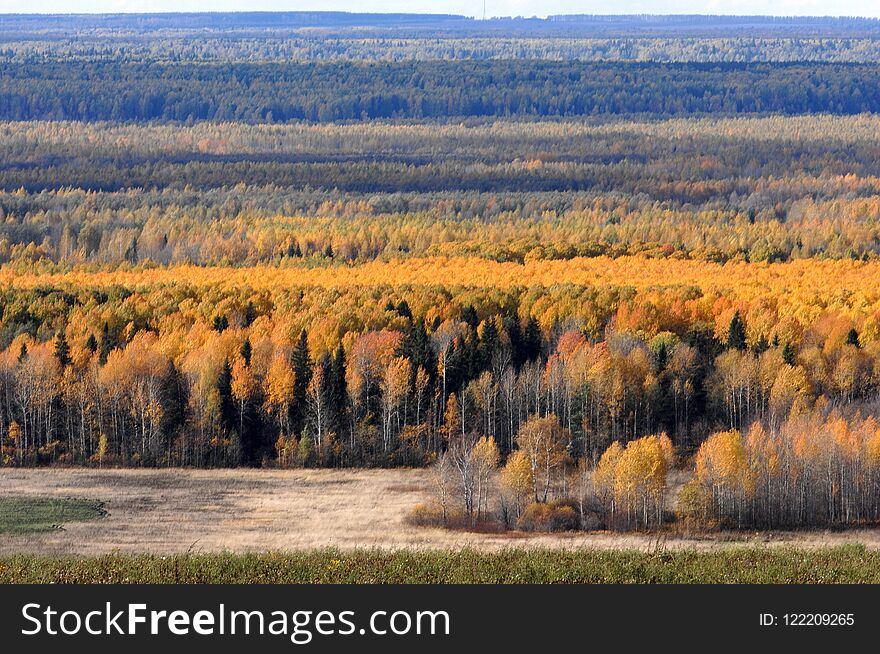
818, 467
326, 92
502, 190
245, 226
299, 45
245, 388
753, 163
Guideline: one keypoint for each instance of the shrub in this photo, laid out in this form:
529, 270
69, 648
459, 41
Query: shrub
427, 514
431, 514
549, 516
693, 504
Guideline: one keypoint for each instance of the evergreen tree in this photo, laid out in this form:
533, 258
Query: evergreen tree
338, 374
736, 333
852, 338
416, 346
92, 344
788, 354
62, 349
661, 355
404, 310
761, 346
108, 343
512, 328
302, 371
228, 416
469, 316
246, 351
532, 340
488, 344
455, 367
175, 400
701, 335
470, 358
304, 448
250, 314
338, 389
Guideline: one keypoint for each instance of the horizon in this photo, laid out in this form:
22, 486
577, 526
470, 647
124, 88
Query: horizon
447, 9
138, 12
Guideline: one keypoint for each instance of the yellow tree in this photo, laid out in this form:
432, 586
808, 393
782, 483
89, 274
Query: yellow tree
452, 421
244, 388
640, 477
393, 386
279, 392
134, 377
486, 457
722, 467
517, 483
604, 477
544, 443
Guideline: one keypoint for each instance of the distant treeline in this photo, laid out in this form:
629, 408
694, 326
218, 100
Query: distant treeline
604, 25
744, 189
263, 37
248, 46
323, 92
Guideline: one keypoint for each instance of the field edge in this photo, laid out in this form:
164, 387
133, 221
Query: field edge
845, 564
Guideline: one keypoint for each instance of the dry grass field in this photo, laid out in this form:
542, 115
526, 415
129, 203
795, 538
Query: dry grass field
176, 511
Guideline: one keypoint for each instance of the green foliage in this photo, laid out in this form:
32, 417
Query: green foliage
789, 354
305, 449
325, 92
290, 36
736, 333
840, 565
852, 338
62, 350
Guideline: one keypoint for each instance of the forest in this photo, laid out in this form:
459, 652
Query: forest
265, 37
734, 189
326, 92
574, 266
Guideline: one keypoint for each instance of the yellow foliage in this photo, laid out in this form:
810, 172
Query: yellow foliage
722, 462
516, 475
634, 477
642, 468
604, 476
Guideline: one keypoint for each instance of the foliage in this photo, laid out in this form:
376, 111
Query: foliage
815, 469
325, 92
251, 240
548, 516
631, 480
848, 564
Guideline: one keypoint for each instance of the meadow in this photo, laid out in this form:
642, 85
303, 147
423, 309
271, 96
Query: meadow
208, 512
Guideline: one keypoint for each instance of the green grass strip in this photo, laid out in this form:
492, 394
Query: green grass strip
847, 564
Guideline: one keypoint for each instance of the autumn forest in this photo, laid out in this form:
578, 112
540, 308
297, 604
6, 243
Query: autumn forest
570, 282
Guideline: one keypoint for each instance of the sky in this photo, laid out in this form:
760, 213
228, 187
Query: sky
465, 7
